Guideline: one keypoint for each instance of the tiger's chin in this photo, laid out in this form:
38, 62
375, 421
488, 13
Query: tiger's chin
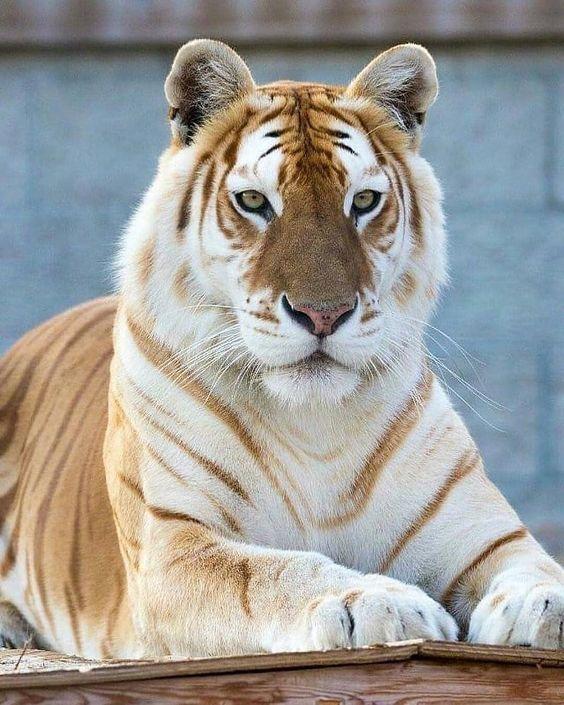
317, 380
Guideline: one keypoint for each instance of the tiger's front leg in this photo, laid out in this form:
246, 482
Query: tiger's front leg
201, 594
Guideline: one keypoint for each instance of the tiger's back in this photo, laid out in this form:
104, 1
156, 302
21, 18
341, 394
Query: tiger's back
59, 558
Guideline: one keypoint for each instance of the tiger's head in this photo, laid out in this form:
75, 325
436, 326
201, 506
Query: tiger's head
294, 224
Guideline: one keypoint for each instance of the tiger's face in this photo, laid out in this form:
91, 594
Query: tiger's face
306, 212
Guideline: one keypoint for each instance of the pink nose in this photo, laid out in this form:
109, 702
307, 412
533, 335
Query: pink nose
318, 320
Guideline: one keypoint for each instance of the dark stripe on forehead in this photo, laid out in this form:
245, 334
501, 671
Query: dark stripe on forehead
326, 132
329, 109
274, 113
269, 151
254, 122
346, 148
276, 133
290, 169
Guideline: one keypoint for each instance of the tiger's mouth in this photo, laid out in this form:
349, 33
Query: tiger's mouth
316, 378
315, 363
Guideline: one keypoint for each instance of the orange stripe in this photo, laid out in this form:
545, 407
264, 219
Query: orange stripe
9, 558
167, 363
206, 194
40, 533
394, 437
192, 554
66, 346
227, 517
132, 485
185, 205
465, 465
415, 219
49, 333
213, 468
75, 554
448, 594
74, 622
132, 541
170, 515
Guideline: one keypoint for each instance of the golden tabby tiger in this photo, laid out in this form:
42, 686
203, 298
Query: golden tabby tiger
282, 470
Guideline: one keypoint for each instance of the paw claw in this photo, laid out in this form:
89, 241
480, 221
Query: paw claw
381, 610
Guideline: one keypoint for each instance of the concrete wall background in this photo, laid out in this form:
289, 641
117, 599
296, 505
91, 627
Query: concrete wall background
80, 133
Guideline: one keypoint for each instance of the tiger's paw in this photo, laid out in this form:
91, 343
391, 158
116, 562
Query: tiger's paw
376, 611
521, 615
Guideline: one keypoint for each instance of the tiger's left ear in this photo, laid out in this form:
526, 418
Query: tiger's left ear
403, 80
206, 77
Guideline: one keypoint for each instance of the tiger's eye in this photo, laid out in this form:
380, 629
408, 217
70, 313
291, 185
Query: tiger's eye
252, 200
363, 200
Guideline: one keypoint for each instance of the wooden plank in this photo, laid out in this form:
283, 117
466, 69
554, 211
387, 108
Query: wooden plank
154, 22
38, 668
409, 682
494, 654
41, 668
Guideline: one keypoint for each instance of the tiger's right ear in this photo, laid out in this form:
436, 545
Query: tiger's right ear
206, 76
403, 80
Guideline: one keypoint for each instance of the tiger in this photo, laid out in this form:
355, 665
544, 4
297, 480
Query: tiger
245, 449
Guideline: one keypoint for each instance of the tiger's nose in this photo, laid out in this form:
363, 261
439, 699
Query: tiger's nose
319, 319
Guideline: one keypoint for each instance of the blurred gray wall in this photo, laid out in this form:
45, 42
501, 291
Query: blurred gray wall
80, 133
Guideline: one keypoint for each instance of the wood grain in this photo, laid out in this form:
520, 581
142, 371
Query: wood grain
152, 22
19, 669
40, 668
410, 682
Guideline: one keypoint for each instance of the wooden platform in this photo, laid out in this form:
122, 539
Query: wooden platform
407, 672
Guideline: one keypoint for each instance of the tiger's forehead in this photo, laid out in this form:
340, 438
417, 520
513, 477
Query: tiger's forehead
304, 131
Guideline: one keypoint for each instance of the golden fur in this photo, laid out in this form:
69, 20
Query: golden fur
218, 478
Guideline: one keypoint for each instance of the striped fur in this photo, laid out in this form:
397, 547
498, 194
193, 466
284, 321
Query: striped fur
199, 484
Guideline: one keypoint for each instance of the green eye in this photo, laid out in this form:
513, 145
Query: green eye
252, 201
365, 201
